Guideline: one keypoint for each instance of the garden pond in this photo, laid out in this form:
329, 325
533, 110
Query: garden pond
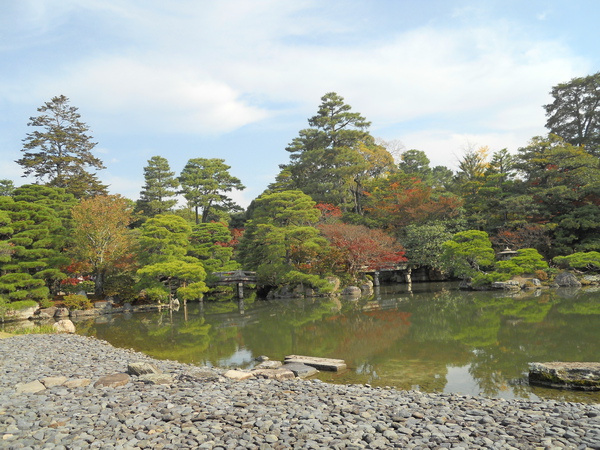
434, 337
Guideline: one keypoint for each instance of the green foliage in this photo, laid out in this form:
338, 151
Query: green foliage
484, 279
210, 243
122, 285
575, 112
85, 286
164, 237
562, 181
157, 294
331, 160
6, 187
61, 152
161, 186
281, 237
588, 261
527, 260
185, 277
424, 244
468, 253
23, 304
203, 184
77, 302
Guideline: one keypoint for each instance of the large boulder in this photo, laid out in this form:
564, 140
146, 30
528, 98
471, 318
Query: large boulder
64, 326
20, 314
566, 375
567, 279
352, 291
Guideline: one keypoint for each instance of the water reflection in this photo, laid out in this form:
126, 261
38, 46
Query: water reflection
434, 338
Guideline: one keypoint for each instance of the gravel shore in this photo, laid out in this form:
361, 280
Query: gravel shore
201, 408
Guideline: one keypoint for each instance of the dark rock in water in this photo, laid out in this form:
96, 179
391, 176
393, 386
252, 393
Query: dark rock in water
566, 375
567, 279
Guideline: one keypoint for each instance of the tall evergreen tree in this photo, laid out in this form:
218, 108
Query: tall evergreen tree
574, 115
161, 186
60, 152
203, 183
331, 160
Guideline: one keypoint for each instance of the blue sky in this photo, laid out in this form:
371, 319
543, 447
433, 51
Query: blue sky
237, 79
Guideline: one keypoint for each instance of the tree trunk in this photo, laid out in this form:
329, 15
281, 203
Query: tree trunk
99, 284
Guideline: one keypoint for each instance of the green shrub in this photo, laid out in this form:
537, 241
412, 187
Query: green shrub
76, 301
46, 303
21, 304
155, 294
483, 279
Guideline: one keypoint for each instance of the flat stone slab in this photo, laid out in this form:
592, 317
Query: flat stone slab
53, 381
114, 380
237, 375
566, 375
332, 365
30, 388
301, 370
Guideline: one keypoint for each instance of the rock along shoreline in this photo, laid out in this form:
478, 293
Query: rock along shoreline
201, 408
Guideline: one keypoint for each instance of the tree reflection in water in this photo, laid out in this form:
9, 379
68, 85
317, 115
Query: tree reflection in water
395, 338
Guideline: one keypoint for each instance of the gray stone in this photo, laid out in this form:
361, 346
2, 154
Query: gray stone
156, 378
269, 365
352, 291
567, 279
566, 375
141, 368
301, 370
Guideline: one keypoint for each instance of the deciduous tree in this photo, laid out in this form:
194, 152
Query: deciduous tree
102, 235
363, 248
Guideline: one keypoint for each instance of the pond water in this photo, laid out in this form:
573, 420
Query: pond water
434, 338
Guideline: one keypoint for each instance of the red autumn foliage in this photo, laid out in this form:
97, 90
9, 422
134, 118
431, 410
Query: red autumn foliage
408, 201
362, 248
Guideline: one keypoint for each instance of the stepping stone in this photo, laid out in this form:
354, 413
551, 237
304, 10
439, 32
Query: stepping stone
301, 370
237, 375
30, 388
114, 380
332, 365
78, 382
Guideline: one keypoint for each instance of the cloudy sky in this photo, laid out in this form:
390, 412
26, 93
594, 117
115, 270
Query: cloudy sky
237, 79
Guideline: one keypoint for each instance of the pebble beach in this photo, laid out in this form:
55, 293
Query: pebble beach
200, 408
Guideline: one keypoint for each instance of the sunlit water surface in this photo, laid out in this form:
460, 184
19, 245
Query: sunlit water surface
434, 338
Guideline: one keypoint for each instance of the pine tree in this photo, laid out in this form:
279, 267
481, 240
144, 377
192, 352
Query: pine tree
161, 185
61, 152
